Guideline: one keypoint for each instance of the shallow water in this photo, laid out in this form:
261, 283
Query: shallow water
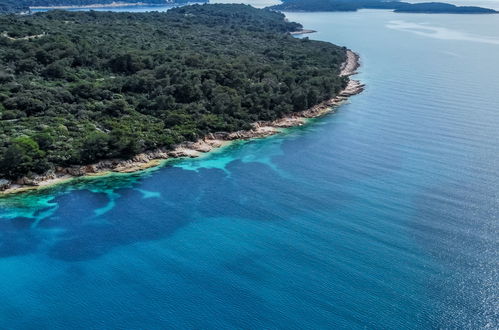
383, 215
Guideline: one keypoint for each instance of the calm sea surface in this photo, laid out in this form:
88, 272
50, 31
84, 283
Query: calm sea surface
383, 215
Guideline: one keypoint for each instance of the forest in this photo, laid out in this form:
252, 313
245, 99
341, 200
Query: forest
397, 6
77, 87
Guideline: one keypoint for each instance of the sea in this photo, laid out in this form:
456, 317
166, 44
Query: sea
382, 215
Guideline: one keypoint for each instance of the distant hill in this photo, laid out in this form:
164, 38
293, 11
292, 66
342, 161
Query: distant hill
397, 6
7, 6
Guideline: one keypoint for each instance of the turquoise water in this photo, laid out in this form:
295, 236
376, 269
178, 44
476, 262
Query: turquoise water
383, 215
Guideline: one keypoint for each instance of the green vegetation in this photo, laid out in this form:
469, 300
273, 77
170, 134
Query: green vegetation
76, 87
397, 6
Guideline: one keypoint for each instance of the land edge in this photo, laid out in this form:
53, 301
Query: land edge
202, 146
303, 31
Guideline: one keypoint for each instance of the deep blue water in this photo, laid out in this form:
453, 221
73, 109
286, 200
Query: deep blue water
383, 215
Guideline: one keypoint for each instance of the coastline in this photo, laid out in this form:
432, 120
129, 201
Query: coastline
303, 31
191, 149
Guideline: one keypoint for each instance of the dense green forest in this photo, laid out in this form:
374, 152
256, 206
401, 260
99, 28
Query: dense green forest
76, 87
397, 6
13, 6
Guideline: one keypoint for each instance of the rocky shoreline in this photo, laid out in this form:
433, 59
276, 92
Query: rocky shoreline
190, 149
303, 31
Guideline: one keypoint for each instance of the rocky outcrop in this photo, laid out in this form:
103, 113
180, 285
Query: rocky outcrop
4, 184
302, 31
35, 180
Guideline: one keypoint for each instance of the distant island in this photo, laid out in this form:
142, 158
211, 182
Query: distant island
24, 6
397, 6
86, 92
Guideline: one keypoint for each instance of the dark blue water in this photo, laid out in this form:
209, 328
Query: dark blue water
383, 215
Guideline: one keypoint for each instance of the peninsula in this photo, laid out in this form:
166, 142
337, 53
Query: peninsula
89, 92
396, 6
